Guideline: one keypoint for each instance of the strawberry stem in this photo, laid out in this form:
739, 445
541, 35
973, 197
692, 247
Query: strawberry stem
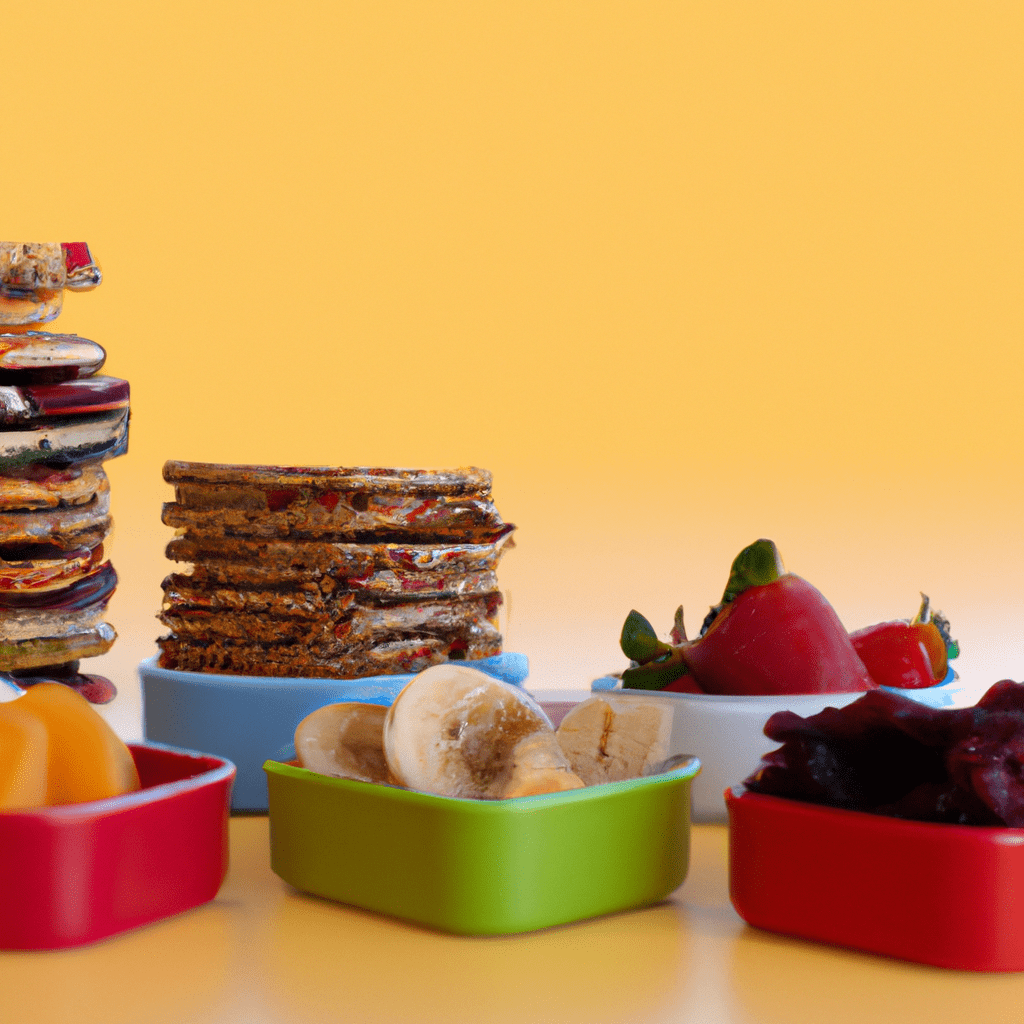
940, 622
678, 633
656, 675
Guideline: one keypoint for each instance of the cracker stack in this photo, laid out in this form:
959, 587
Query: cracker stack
59, 421
335, 573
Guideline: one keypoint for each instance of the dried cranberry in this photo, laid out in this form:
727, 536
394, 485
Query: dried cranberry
889, 754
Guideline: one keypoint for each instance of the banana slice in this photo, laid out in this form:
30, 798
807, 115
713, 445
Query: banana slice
456, 731
607, 738
344, 741
539, 766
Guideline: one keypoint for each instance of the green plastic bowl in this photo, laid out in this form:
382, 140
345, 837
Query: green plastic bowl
481, 867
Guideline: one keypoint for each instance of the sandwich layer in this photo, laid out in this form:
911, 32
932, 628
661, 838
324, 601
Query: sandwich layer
28, 404
65, 442
40, 486
298, 661
307, 618
92, 589
229, 485
68, 526
274, 501
234, 560
40, 355
76, 642
42, 567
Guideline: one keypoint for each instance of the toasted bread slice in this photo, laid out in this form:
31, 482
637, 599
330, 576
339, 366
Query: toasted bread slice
232, 484
305, 617
234, 559
265, 502
331, 661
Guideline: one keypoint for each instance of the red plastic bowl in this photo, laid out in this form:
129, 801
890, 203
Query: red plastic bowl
80, 872
947, 895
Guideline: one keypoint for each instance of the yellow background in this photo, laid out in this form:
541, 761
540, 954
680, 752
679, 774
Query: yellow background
680, 274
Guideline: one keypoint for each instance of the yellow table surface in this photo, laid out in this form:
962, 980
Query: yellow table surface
262, 952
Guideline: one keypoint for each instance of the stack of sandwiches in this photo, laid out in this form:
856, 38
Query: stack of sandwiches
330, 572
60, 419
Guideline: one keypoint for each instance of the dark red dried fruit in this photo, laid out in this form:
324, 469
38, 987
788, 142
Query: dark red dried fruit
889, 754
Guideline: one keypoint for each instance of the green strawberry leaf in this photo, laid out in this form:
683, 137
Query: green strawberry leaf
638, 641
754, 566
655, 675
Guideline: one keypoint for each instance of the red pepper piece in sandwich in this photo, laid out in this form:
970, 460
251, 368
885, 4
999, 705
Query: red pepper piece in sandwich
773, 633
83, 272
908, 655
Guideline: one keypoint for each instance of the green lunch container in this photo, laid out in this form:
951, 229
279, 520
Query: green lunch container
482, 867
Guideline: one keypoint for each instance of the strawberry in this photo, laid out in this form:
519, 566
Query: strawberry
772, 633
908, 655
